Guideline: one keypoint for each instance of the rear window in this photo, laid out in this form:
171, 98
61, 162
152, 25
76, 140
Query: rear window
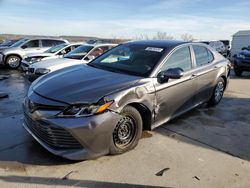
203, 56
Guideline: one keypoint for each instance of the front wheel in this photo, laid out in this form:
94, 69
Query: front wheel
218, 92
127, 132
13, 61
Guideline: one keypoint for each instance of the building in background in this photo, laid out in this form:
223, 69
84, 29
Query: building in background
240, 39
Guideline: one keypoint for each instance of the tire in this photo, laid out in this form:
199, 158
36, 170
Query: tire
13, 61
127, 132
217, 93
237, 72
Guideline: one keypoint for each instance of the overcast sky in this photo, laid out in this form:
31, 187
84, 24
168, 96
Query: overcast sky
204, 19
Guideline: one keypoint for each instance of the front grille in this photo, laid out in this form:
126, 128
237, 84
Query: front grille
55, 137
31, 70
32, 106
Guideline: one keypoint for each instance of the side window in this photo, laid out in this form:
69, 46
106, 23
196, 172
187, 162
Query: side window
50, 43
181, 58
210, 56
98, 51
32, 44
202, 55
57, 42
47, 43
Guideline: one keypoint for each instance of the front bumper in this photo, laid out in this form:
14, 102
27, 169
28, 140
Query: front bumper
242, 64
93, 134
31, 76
1, 59
25, 65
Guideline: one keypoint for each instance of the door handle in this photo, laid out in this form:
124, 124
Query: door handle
193, 76
217, 66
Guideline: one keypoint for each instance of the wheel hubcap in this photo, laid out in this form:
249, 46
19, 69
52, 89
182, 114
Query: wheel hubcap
219, 91
124, 132
13, 62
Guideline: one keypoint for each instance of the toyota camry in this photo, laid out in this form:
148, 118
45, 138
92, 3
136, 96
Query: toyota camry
102, 107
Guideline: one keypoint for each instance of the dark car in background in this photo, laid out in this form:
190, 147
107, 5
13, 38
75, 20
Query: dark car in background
242, 61
99, 108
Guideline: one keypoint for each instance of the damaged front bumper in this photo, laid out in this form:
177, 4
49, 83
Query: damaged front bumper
72, 138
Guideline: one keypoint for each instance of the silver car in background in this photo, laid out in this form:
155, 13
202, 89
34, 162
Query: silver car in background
82, 54
100, 108
52, 53
13, 55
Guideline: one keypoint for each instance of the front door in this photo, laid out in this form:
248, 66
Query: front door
175, 96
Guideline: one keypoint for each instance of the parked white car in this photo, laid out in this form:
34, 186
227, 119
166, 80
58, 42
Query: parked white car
13, 55
52, 53
218, 46
82, 54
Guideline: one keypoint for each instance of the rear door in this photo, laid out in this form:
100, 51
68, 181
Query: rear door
205, 72
175, 96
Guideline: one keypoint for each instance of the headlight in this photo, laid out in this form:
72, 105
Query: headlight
241, 56
35, 59
84, 110
42, 71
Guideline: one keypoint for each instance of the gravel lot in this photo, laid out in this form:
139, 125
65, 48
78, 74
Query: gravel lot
208, 147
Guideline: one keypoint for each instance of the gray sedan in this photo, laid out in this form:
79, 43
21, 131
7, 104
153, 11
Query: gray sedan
102, 107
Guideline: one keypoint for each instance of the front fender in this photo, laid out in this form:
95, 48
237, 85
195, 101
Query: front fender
143, 93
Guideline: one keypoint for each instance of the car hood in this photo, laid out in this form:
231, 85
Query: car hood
245, 53
53, 62
81, 84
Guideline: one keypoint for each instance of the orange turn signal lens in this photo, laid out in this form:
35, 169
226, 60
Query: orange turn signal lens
103, 107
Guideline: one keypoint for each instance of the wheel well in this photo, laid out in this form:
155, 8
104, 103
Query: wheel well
225, 79
10, 55
145, 114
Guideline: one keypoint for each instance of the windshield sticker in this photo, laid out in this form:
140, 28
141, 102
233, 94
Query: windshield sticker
153, 49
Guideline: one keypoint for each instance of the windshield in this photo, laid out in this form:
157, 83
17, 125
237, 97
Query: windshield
19, 43
8, 43
79, 53
134, 59
55, 49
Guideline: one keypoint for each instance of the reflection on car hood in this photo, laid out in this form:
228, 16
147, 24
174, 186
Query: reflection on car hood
40, 55
81, 84
52, 62
245, 53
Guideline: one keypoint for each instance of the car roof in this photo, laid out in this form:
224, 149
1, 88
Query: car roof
99, 45
76, 43
44, 38
159, 43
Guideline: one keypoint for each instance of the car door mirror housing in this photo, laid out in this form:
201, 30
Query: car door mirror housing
90, 57
24, 47
174, 73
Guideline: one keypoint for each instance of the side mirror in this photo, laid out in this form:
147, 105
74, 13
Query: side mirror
63, 52
90, 57
244, 48
24, 47
174, 73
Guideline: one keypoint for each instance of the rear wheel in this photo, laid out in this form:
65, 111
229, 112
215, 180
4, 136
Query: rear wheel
13, 61
218, 92
237, 72
127, 132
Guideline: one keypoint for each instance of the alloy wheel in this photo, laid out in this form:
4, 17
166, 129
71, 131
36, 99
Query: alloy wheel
219, 91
